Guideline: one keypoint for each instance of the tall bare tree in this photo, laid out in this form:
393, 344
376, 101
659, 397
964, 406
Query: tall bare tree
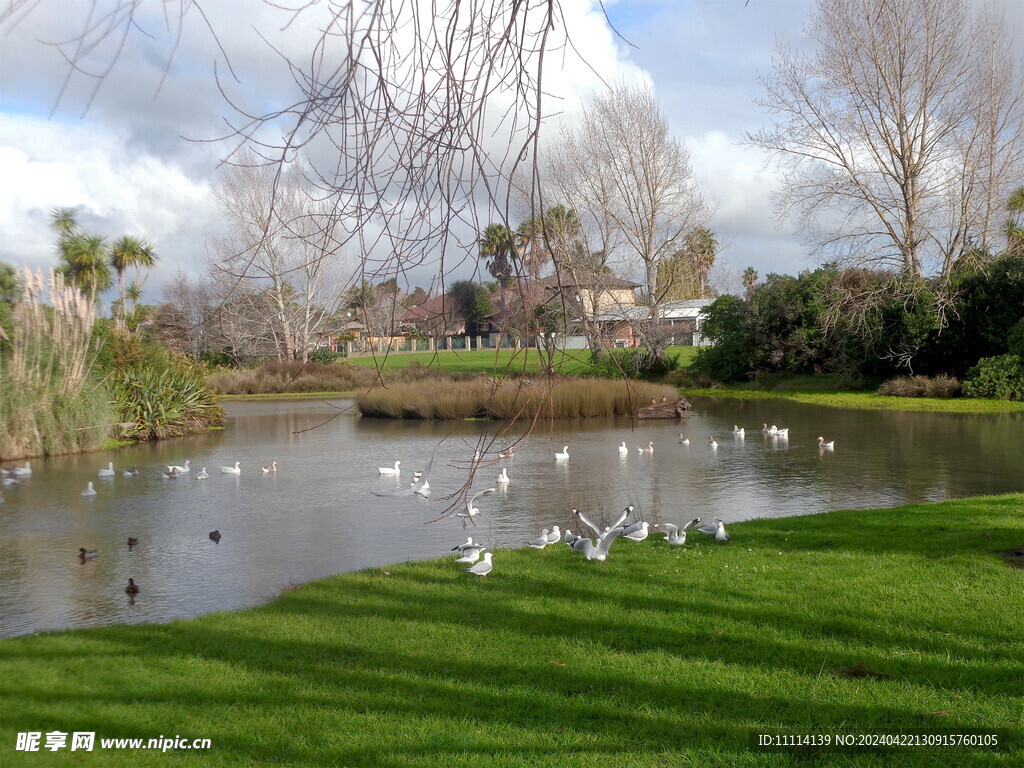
631, 184
900, 135
280, 243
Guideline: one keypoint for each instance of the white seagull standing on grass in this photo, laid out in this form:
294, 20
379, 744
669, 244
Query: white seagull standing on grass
541, 541
471, 554
555, 536
715, 529
482, 568
598, 551
673, 534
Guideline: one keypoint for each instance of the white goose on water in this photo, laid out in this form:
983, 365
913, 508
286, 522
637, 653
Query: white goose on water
25, 471
503, 478
390, 470
826, 446
766, 430
271, 468
649, 448
109, 471
89, 491
683, 440
133, 472
177, 469
623, 450
712, 443
738, 430
202, 474
563, 454
235, 470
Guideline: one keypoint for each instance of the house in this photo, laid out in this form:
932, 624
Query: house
437, 316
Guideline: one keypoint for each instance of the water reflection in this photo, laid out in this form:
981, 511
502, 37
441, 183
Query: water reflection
317, 515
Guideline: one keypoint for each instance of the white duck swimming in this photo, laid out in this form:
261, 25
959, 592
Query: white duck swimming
563, 454
390, 470
89, 491
235, 470
202, 474
177, 469
623, 450
109, 471
503, 478
826, 446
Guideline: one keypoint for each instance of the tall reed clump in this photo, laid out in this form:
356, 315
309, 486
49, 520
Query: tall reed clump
511, 398
50, 400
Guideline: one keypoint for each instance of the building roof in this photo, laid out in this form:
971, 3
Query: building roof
670, 310
605, 282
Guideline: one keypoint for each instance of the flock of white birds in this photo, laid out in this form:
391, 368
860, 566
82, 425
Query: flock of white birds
597, 548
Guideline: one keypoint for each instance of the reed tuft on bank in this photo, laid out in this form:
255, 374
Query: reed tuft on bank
510, 398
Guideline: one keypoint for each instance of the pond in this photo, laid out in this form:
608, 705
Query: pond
318, 515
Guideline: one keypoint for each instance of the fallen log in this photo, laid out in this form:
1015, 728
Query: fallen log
677, 410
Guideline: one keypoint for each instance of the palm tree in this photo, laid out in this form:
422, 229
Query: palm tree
130, 252
702, 248
750, 277
1015, 224
85, 263
497, 246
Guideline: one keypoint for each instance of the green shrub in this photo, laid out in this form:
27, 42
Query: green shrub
1001, 377
632, 363
324, 356
167, 401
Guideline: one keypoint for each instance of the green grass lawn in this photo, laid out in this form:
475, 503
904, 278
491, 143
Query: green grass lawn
661, 656
574, 362
815, 394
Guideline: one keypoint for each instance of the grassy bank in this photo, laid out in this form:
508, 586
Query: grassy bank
883, 621
806, 390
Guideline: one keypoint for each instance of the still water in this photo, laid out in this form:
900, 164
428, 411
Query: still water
318, 515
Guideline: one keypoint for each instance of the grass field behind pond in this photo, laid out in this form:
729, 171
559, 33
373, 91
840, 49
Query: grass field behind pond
574, 362
661, 656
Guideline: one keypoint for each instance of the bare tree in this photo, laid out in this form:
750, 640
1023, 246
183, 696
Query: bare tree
280, 242
631, 184
900, 135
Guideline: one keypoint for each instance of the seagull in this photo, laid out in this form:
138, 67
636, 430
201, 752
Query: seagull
541, 541
176, 469
822, 445
503, 478
471, 554
623, 450
563, 454
460, 547
202, 474
235, 470
482, 568
389, 470
649, 448
683, 440
712, 444
716, 529
602, 534
636, 532
738, 430
134, 471
109, 471
271, 468
89, 491
555, 536
597, 551
472, 511
672, 533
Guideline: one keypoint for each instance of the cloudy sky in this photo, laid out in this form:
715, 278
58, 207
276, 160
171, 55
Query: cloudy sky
135, 157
